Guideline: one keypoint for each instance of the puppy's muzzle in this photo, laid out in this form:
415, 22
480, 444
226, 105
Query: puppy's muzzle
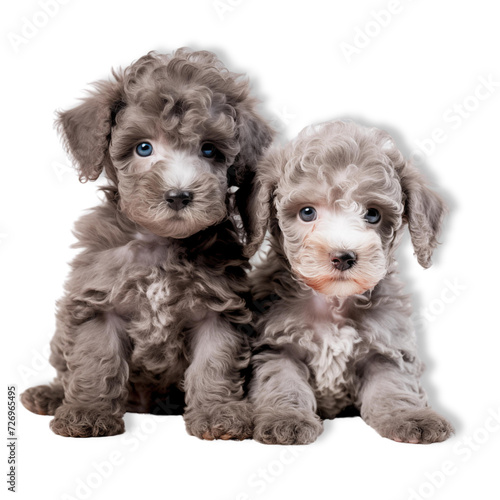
342, 261
177, 200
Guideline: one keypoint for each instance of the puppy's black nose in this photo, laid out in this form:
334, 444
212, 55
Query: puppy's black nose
177, 200
344, 261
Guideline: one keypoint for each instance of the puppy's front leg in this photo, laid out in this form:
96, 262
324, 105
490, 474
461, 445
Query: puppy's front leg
95, 381
284, 402
213, 382
393, 403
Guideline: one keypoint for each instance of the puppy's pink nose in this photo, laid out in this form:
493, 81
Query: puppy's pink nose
177, 200
343, 261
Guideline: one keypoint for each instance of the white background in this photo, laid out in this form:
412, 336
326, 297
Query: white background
411, 77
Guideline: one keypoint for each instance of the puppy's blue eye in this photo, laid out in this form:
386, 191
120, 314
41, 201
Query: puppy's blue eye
307, 214
144, 149
372, 216
208, 150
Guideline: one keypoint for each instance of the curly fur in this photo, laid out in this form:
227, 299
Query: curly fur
153, 301
332, 339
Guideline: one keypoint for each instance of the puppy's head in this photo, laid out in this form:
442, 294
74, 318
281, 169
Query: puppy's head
338, 197
173, 134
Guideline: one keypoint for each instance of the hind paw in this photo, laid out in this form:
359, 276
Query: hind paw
43, 399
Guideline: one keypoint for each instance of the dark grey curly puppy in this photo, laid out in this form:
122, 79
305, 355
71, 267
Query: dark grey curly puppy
153, 300
338, 330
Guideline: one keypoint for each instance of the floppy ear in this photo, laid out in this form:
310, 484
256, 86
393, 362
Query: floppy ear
259, 207
254, 135
424, 213
86, 129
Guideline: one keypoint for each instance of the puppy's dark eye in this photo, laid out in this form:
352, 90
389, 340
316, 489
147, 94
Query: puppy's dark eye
208, 150
307, 214
372, 216
144, 149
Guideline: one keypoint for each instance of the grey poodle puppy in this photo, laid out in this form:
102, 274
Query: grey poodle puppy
334, 329
153, 301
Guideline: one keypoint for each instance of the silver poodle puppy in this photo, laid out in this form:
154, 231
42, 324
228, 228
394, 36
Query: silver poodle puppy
334, 328
153, 302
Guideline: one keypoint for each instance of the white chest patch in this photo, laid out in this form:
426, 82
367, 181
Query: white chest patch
331, 352
331, 348
157, 294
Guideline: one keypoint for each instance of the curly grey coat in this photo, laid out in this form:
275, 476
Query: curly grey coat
153, 300
338, 332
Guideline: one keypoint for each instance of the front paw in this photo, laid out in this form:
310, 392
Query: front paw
75, 421
230, 420
287, 427
414, 425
